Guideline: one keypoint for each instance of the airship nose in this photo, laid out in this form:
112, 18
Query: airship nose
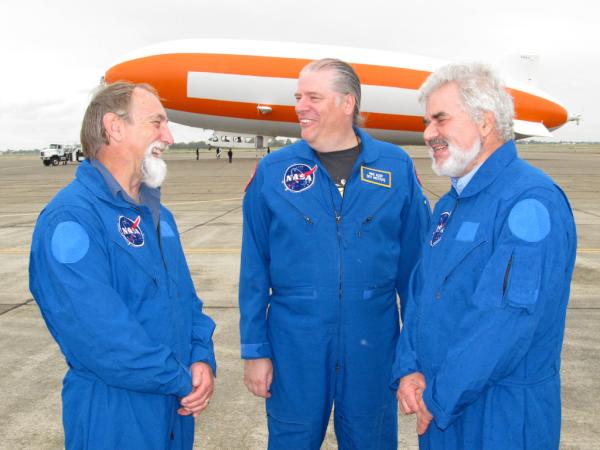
538, 107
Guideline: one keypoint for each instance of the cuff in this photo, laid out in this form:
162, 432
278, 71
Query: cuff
256, 351
398, 374
442, 419
202, 354
184, 382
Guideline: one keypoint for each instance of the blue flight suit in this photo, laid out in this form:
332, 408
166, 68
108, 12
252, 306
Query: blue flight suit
121, 304
318, 283
486, 315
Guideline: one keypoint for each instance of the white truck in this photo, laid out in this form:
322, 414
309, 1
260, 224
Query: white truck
55, 154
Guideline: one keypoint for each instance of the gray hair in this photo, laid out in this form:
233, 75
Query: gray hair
480, 90
345, 81
112, 98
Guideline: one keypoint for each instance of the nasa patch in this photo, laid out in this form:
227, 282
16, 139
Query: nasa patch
299, 177
439, 230
131, 231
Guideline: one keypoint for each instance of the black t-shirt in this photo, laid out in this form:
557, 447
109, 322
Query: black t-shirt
339, 165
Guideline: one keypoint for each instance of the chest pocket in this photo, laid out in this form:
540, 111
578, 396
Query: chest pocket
296, 212
465, 258
380, 211
134, 270
170, 247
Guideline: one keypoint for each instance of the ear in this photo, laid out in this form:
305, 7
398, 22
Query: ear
349, 102
487, 125
113, 125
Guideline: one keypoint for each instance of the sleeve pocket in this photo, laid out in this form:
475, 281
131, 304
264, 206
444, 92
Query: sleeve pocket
525, 275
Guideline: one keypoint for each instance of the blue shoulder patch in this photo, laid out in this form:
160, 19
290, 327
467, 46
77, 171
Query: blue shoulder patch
166, 230
529, 220
70, 242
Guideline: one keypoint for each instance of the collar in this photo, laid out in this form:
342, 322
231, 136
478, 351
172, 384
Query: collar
113, 185
487, 173
148, 196
368, 154
459, 183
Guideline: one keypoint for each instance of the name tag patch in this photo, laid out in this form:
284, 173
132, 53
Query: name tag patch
131, 231
376, 176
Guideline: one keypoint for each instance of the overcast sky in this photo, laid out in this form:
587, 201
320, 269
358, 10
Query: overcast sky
53, 53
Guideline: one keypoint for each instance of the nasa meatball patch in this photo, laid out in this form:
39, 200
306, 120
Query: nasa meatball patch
299, 177
439, 230
131, 231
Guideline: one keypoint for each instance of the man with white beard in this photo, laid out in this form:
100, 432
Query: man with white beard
478, 358
108, 272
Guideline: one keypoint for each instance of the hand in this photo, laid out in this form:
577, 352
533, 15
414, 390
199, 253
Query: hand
424, 418
410, 392
258, 376
203, 385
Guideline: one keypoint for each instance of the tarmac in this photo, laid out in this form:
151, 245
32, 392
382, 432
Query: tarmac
205, 197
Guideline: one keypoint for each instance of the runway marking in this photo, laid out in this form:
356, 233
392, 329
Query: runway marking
193, 251
211, 220
227, 251
223, 251
16, 167
19, 214
192, 202
167, 204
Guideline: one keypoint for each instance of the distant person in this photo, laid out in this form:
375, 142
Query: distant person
230, 155
268, 150
332, 229
218, 153
197, 153
109, 275
479, 355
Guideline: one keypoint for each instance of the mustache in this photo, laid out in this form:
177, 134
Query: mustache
436, 141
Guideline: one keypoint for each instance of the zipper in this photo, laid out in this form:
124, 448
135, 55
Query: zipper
507, 275
338, 221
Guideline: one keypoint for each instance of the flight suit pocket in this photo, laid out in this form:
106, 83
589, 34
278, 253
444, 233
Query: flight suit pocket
380, 291
523, 278
292, 307
464, 251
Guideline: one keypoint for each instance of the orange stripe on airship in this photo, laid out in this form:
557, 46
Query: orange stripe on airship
168, 74
536, 109
282, 113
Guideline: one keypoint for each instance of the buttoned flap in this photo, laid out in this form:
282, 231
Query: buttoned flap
386, 290
459, 252
281, 292
293, 307
373, 207
297, 210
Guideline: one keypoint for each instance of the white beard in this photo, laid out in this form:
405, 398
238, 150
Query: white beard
457, 162
154, 169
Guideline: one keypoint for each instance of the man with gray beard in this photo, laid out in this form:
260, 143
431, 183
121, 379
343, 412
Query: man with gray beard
108, 272
478, 358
